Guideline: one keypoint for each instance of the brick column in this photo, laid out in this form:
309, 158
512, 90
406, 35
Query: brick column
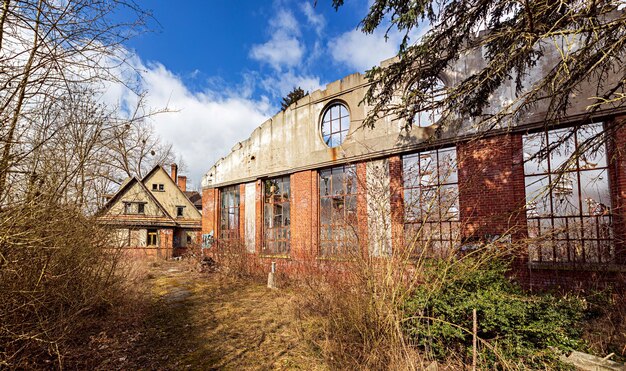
209, 210
491, 187
396, 182
301, 215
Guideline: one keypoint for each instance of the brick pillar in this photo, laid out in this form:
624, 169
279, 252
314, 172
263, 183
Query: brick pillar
209, 210
491, 187
397, 203
315, 212
210, 214
301, 215
617, 166
361, 207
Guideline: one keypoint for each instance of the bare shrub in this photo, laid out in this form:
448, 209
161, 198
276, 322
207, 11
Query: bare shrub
234, 260
55, 277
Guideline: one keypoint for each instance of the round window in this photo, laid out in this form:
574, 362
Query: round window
335, 124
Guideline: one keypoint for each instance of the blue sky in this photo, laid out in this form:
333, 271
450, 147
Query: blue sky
222, 66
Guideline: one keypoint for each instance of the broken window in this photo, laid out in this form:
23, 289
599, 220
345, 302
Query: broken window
141, 209
229, 213
179, 211
431, 202
568, 200
338, 211
161, 187
335, 124
127, 207
155, 186
152, 239
276, 216
426, 116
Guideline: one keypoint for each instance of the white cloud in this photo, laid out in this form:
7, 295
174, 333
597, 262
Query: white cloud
315, 19
280, 51
283, 83
283, 49
361, 51
202, 126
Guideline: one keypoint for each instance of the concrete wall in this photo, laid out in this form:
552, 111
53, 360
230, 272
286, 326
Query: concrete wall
291, 140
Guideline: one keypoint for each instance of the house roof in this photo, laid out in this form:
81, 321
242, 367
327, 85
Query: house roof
195, 198
167, 220
126, 185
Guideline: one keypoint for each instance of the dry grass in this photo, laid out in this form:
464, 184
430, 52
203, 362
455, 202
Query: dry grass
201, 321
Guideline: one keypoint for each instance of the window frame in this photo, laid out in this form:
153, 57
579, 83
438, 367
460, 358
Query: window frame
230, 234
284, 231
152, 232
348, 247
332, 134
569, 244
180, 211
419, 229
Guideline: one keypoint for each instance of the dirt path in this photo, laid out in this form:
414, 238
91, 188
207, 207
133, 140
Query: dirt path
206, 321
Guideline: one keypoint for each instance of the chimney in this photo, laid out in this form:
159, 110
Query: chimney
174, 173
182, 183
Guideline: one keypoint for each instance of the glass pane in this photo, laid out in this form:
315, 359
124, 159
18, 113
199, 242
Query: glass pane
335, 126
337, 182
325, 211
590, 139
334, 111
325, 183
344, 111
565, 195
535, 161
447, 166
561, 150
537, 196
595, 192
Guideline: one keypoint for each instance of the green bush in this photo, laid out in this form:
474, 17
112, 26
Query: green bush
518, 327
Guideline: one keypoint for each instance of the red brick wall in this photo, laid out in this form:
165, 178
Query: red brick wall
491, 197
209, 210
302, 218
491, 187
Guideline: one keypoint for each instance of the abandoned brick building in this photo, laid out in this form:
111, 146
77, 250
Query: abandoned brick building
155, 215
311, 185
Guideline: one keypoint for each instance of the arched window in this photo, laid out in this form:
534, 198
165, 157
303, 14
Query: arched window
335, 124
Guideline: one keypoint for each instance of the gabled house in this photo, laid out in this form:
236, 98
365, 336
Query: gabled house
155, 215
